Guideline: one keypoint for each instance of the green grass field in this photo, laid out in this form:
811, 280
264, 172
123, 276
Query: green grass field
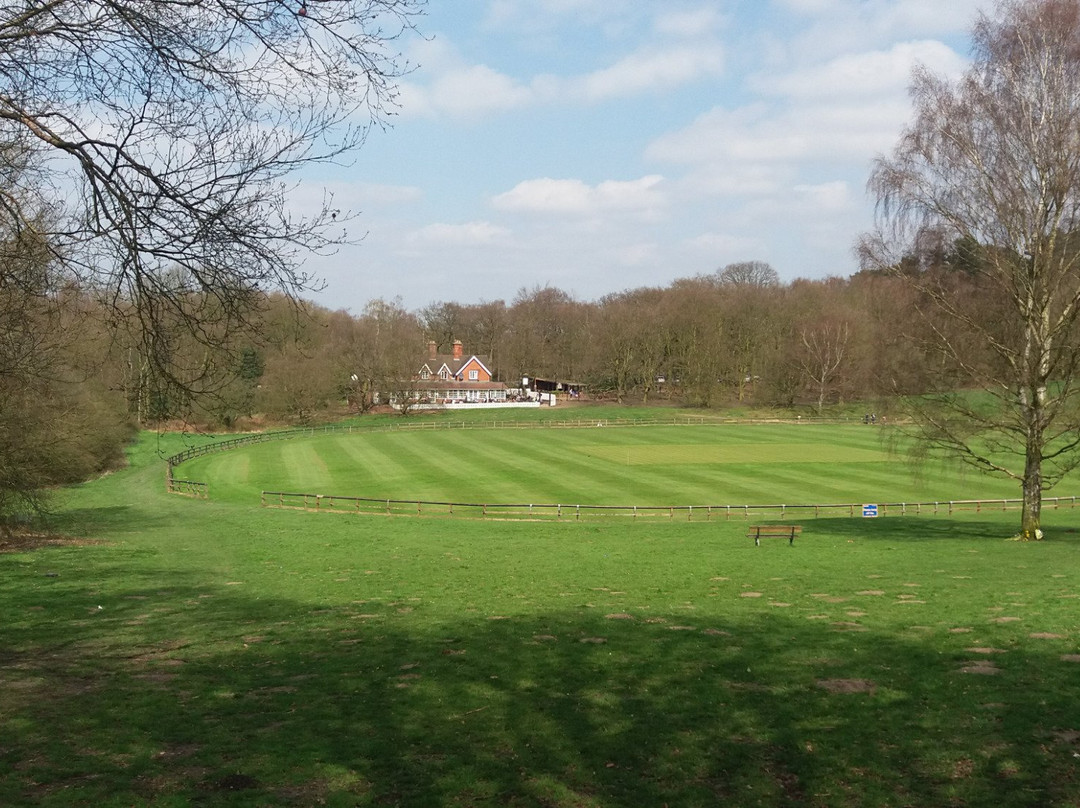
725, 464
213, 653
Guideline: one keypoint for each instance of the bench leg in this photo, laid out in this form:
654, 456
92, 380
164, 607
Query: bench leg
757, 540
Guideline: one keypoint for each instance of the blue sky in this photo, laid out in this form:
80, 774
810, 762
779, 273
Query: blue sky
603, 145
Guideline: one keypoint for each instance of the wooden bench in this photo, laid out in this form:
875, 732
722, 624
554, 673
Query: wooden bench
755, 532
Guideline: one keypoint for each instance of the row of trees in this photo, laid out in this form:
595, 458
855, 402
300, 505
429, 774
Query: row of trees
719, 339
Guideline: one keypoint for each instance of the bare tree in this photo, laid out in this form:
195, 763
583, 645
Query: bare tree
824, 347
164, 135
749, 273
993, 159
387, 356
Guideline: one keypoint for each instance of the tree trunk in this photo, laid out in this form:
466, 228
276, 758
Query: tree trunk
1031, 518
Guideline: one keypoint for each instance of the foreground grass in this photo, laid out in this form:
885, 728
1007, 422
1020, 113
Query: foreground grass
209, 653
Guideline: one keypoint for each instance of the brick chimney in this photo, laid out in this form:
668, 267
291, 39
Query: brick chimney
457, 349
431, 347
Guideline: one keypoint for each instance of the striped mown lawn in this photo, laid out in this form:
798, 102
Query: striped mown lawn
641, 465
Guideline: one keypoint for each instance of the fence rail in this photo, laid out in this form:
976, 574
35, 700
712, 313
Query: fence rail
190, 488
327, 503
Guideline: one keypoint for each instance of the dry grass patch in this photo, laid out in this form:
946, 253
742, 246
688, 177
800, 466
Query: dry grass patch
27, 541
847, 685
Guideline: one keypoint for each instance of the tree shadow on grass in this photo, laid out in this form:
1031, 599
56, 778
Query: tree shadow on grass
196, 695
909, 529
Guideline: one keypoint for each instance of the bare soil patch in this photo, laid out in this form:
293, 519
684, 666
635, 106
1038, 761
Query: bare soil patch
24, 542
981, 667
847, 685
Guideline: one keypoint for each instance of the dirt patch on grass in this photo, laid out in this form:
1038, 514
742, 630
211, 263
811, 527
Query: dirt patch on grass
981, 667
847, 685
24, 542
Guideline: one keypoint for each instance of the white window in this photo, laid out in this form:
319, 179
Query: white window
444, 374
474, 375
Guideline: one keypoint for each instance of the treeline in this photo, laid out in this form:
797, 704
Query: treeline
735, 336
75, 381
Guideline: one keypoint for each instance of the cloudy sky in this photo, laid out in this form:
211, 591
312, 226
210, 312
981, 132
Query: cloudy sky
603, 145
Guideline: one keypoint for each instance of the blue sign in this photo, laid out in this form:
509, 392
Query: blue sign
869, 511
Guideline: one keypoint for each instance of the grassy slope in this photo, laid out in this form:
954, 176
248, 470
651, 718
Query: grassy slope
216, 654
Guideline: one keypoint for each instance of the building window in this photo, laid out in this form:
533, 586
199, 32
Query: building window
425, 374
444, 374
474, 375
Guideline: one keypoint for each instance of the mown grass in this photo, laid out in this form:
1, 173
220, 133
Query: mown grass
213, 653
727, 464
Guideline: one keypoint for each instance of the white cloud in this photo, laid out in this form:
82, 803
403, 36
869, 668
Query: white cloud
574, 197
826, 197
650, 71
862, 74
447, 84
724, 247
464, 92
460, 235
811, 117
900, 19
829, 27
752, 133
